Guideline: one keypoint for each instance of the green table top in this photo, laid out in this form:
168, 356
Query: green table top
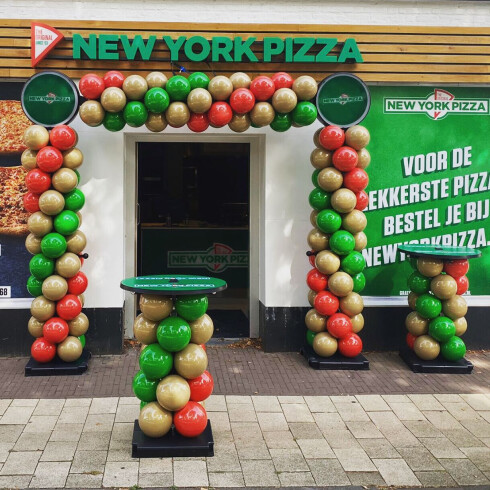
173, 285
439, 251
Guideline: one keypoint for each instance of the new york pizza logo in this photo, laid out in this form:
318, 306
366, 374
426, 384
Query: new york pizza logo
437, 105
43, 39
342, 99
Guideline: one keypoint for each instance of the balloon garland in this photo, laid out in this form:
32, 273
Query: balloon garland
56, 282
337, 239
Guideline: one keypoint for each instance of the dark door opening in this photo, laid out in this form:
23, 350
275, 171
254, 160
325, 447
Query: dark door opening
193, 218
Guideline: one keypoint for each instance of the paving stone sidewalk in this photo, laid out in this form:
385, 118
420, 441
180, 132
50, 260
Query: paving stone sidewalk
260, 441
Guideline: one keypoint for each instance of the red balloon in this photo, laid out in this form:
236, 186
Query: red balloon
55, 330
362, 200
282, 79
63, 137
91, 86
339, 325
77, 284
38, 181
203, 346
81, 259
31, 202
345, 158
326, 303
201, 387
311, 259
114, 78
410, 338
356, 180
316, 280
263, 88
242, 100
220, 114
42, 350
455, 268
351, 345
198, 122
463, 284
191, 420
49, 159
69, 307
331, 137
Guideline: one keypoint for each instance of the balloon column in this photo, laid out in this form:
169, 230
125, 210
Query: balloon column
56, 282
197, 101
336, 240
173, 380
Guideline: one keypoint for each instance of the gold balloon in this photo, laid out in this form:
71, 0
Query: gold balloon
360, 241
154, 421
39, 224
316, 138
354, 222
426, 347
357, 323
156, 79
416, 324
461, 326
315, 322
352, 304
72, 158
239, 123
135, 87
240, 80
363, 158
201, 329
321, 158
28, 159
313, 215
199, 100
343, 201
327, 262
79, 325
42, 309
68, 265
155, 308
357, 137
305, 87
330, 179
324, 344
455, 307
311, 297
92, 113
81, 297
412, 299
51, 202
64, 180
443, 286
144, 330
54, 287
113, 99
262, 114
430, 267
70, 349
284, 100
177, 114
173, 392
36, 137
340, 284
317, 240
76, 242
156, 122
35, 327
33, 244
220, 87
79, 216
191, 361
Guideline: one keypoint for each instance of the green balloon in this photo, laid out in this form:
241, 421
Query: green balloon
114, 121
142, 404
157, 100
178, 88
82, 340
173, 333
74, 200
135, 114
191, 308
145, 389
359, 282
66, 222
319, 199
304, 113
53, 245
442, 328
281, 122
328, 221
353, 263
156, 362
454, 349
314, 177
78, 175
35, 286
198, 80
419, 283
41, 266
342, 242
310, 336
428, 306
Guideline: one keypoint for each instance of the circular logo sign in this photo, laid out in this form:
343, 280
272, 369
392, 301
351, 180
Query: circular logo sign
342, 100
50, 98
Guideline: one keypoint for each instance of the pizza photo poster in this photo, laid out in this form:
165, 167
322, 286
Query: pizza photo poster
14, 258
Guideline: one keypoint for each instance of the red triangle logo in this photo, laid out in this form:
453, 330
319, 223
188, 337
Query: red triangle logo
43, 39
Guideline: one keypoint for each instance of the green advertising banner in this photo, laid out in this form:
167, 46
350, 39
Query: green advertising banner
429, 180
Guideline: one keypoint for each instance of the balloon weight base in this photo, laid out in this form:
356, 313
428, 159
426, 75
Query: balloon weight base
57, 367
334, 362
438, 365
172, 444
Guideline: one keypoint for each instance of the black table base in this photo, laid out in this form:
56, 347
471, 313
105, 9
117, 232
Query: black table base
335, 362
172, 444
438, 365
57, 367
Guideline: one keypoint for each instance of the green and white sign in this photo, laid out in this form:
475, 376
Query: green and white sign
429, 180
